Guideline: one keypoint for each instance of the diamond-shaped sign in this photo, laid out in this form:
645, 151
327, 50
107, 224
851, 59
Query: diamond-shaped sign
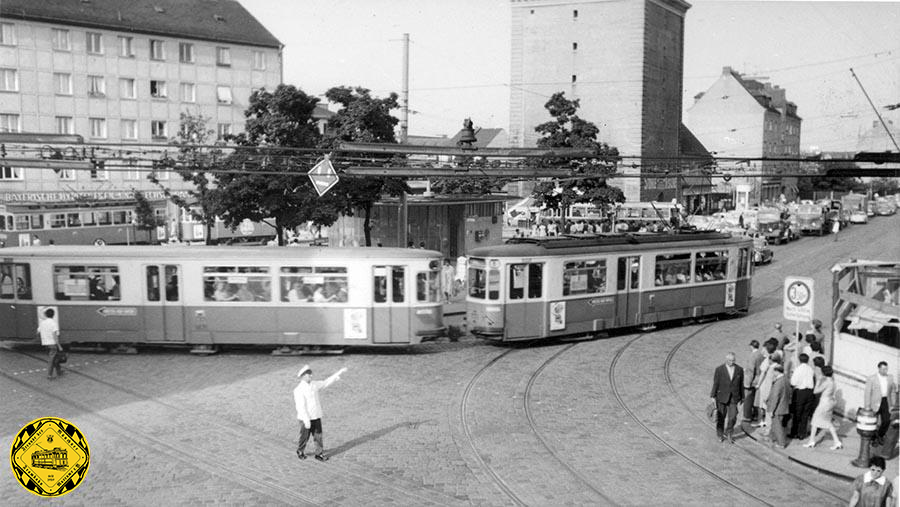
323, 177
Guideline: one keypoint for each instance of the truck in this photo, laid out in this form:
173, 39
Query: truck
811, 219
772, 225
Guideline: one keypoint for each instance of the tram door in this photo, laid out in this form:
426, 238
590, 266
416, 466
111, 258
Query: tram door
524, 304
164, 314
17, 314
390, 309
628, 300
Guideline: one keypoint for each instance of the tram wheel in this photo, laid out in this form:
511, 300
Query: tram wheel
99, 242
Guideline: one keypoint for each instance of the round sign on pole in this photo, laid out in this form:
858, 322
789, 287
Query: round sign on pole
798, 298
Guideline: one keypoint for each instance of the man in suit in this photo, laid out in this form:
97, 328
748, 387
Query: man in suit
777, 405
728, 392
750, 380
880, 395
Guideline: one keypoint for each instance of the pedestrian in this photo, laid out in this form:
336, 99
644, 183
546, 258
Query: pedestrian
777, 406
802, 381
815, 328
750, 381
447, 279
764, 384
873, 489
728, 392
821, 418
880, 395
48, 329
309, 410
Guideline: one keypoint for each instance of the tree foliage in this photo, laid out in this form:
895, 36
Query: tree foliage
366, 119
274, 185
568, 130
145, 218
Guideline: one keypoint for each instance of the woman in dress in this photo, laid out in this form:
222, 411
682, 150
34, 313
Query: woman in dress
767, 373
822, 416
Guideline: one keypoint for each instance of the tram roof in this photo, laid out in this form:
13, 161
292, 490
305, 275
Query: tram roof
535, 247
202, 252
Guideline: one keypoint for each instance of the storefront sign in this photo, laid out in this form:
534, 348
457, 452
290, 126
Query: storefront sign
86, 195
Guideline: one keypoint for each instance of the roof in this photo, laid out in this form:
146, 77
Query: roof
213, 20
428, 141
688, 144
214, 254
533, 247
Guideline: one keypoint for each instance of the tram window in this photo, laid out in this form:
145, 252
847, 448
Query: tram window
711, 266
37, 221
380, 287
86, 283
628, 268
320, 284
6, 222
171, 283
517, 281
535, 280
427, 286
103, 217
477, 281
152, 283
494, 284
23, 222
743, 262
87, 218
121, 217
57, 220
23, 281
7, 282
73, 219
397, 284
237, 283
584, 277
672, 269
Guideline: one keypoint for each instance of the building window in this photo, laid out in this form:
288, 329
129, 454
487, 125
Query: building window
99, 173
575, 13
7, 34
98, 127
158, 89
64, 125
223, 94
223, 56
185, 52
259, 60
574, 46
10, 173
94, 43
188, 92
9, 123
96, 86
157, 50
224, 129
126, 46
66, 174
574, 78
129, 129
127, 89
158, 129
63, 83
9, 80
61, 40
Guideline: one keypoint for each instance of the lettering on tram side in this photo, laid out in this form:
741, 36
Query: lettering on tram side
117, 311
601, 301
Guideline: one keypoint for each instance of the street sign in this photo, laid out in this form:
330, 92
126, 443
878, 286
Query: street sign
798, 298
323, 176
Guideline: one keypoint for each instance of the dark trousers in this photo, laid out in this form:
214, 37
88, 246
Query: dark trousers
315, 427
884, 418
53, 351
726, 415
804, 404
749, 409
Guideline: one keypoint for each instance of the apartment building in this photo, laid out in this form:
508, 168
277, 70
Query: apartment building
623, 60
122, 71
742, 117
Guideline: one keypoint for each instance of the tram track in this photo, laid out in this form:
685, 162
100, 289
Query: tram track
187, 453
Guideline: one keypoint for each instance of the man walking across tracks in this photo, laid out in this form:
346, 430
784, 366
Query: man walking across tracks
728, 392
309, 410
49, 332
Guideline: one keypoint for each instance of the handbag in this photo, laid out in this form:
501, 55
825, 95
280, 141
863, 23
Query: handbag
61, 356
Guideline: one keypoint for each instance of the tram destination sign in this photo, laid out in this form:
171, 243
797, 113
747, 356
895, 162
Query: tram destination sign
798, 298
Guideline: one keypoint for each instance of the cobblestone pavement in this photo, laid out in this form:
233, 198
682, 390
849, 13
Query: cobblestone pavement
448, 423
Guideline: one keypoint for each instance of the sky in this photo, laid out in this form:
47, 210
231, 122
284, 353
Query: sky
459, 56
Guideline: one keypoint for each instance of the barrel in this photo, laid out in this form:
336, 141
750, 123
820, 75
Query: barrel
866, 422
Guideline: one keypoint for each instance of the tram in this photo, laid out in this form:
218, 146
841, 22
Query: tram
211, 296
532, 288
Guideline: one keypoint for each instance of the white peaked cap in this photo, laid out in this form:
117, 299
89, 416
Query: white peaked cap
303, 370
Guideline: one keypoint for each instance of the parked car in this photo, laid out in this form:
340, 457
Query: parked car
762, 254
772, 225
858, 216
885, 207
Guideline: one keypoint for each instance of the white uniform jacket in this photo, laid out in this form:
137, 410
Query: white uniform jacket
306, 397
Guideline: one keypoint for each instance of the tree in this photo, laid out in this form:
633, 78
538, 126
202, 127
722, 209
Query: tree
485, 184
272, 184
568, 130
366, 119
145, 218
191, 163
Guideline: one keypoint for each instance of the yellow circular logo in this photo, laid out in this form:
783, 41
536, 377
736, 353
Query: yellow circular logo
50, 457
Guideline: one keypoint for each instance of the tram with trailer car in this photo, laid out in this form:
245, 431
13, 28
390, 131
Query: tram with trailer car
54, 459
531, 288
210, 296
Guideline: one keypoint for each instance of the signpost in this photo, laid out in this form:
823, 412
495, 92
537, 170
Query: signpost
798, 300
323, 176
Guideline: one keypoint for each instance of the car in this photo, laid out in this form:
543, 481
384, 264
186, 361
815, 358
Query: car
858, 216
811, 218
773, 226
762, 254
885, 207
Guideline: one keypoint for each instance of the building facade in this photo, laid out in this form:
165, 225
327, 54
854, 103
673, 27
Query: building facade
623, 60
741, 117
123, 71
